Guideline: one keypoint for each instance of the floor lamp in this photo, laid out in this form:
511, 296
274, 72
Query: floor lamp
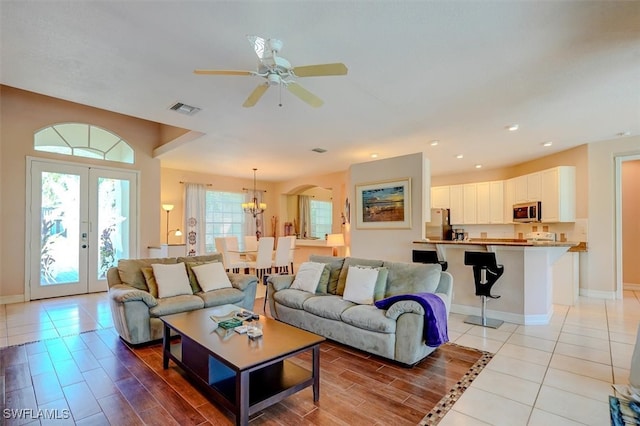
168, 208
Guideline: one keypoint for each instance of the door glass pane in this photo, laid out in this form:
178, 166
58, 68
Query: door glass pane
113, 226
60, 219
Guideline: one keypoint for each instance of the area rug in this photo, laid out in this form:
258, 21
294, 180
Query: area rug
95, 377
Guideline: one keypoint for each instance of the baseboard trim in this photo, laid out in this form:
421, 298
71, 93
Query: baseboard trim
504, 316
598, 294
6, 300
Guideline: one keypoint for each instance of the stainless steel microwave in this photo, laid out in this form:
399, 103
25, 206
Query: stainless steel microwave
527, 212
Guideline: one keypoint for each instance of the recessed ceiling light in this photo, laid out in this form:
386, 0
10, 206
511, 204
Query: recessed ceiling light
512, 127
478, 166
548, 143
374, 155
434, 143
459, 156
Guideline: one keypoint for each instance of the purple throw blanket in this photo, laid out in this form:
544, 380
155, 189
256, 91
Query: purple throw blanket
435, 315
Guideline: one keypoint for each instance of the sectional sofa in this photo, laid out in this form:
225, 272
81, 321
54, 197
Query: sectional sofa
398, 331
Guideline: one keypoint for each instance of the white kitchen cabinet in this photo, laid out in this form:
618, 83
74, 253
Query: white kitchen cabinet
528, 188
470, 200
483, 204
509, 199
520, 189
558, 194
496, 190
440, 197
456, 205
534, 186
566, 278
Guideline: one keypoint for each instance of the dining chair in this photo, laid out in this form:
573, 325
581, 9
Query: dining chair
250, 244
282, 256
234, 253
292, 238
229, 262
262, 264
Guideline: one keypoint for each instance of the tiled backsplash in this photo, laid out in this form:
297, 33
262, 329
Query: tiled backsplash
576, 231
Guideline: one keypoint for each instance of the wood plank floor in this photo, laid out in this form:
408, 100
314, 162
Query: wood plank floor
94, 379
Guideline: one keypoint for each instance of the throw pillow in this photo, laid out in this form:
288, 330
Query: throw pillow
308, 276
193, 280
172, 280
211, 276
147, 271
360, 285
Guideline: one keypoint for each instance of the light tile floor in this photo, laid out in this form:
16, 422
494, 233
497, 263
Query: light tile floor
555, 374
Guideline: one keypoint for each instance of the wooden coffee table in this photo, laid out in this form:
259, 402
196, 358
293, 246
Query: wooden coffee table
243, 375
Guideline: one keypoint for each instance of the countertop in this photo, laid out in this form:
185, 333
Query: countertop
574, 246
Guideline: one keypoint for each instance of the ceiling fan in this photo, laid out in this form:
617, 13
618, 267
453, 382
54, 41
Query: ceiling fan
277, 71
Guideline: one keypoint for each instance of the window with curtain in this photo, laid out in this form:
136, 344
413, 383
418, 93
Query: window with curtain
224, 217
321, 217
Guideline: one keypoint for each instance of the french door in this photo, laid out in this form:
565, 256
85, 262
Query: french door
82, 220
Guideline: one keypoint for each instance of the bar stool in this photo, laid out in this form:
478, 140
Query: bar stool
428, 256
485, 272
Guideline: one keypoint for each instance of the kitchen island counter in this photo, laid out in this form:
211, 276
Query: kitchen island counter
501, 242
526, 287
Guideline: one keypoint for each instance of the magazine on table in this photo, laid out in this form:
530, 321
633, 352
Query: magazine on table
230, 316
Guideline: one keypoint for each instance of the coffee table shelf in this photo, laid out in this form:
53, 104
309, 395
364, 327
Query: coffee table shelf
242, 375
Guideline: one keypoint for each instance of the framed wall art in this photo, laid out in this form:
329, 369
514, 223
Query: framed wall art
384, 205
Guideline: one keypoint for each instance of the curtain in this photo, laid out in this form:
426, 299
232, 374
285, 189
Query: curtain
304, 210
194, 213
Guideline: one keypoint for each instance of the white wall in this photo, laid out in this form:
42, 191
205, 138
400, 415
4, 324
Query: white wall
391, 244
598, 273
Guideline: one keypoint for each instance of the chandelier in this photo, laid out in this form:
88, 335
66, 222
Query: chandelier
254, 207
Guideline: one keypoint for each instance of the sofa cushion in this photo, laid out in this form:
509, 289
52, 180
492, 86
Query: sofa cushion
292, 298
360, 286
150, 279
309, 276
368, 317
176, 304
172, 279
131, 274
221, 296
213, 257
328, 306
335, 266
353, 261
211, 276
409, 278
193, 280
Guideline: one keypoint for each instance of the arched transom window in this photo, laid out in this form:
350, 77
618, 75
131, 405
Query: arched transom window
83, 140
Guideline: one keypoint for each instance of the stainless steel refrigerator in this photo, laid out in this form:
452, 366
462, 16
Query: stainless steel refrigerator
439, 228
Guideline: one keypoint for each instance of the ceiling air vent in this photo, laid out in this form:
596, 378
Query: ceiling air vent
184, 108
319, 150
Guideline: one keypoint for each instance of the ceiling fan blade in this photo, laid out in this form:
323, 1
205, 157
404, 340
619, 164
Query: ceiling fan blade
321, 69
255, 96
222, 72
305, 95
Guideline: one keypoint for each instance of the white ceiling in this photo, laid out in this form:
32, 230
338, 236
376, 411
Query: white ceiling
458, 72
